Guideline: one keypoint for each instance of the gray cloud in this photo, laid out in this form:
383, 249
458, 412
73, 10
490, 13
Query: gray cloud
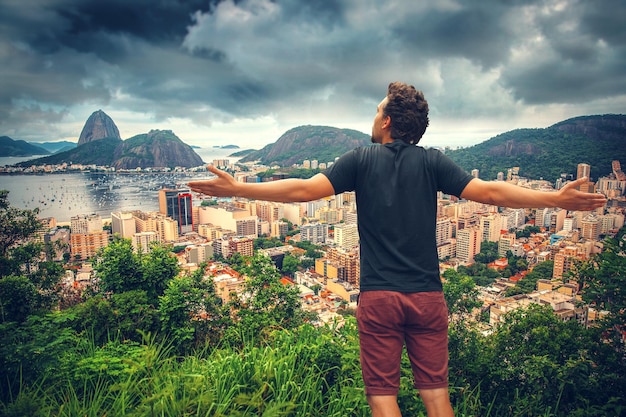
219, 62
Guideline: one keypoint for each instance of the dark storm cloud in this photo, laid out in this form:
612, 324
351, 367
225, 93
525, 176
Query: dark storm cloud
294, 61
580, 56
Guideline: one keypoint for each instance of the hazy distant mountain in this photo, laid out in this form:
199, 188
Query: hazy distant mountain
158, 148
322, 143
98, 126
54, 147
99, 152
11, 147
548, 153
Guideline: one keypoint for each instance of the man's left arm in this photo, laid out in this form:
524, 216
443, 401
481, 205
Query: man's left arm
503, 194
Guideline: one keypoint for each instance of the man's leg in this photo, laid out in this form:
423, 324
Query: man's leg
384, 405
427, 347
437, 402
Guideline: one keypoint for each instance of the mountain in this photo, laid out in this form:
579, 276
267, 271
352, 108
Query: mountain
98, 126
54, 147
548, 153
99, 152
158, 148
100, 144
321, 143
10, 147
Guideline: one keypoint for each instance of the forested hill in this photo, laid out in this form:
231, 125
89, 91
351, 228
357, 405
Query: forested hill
321, 143
547, 153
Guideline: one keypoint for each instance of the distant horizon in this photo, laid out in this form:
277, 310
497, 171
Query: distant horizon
424, 142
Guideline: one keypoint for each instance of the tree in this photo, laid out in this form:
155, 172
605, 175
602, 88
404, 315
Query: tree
191, 312
488, 252
480, 273
290, 264
120, 269
527, 285
158, 267
266, 303
602, 280
527, 231
537, 360
18, 298
23, 269
461, 295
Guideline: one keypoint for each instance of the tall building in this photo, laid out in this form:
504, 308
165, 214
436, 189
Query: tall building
569, 224
244, 246
145, 222
557, 220
468, 244
88, 223
590, 227
278, 229
490, 227
229, 217
443, 230
87, 236
505, 244
583, 170
316, 233
167, 229
86, 245
196, 254
123, 224
617, 170
328, 215
247, 227
345, 264
564, 260
346, 235
514, 217
211, 232
270, 211
176, 203
141, 241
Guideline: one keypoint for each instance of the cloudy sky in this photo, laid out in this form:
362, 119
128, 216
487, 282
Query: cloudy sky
244, 72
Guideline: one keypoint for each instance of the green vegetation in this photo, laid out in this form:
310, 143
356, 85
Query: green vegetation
547, 153
99, 152
147, 342
321, 143
10, 147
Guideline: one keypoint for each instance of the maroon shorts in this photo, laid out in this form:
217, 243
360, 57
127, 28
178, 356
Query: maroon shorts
389, 319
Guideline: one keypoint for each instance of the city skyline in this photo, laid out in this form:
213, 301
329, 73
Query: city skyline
225, 72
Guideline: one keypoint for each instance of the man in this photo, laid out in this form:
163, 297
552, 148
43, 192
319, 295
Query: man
396, 184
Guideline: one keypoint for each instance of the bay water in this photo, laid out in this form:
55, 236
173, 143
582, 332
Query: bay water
63, 195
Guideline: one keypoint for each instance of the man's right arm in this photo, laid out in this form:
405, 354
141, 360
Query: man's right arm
285, 191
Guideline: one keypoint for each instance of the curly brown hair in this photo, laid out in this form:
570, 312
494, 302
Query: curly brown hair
408, 111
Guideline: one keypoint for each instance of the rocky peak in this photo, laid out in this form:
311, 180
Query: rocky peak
98, 126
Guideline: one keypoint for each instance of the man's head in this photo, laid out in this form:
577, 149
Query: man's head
404, 112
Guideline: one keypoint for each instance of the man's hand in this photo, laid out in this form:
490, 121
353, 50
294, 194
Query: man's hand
572, 199
222, 186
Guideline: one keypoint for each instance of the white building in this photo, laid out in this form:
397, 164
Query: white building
123, 224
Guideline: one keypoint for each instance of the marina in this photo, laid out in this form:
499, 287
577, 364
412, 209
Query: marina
66, 194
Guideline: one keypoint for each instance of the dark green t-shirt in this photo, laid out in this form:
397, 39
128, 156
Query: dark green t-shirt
396, 188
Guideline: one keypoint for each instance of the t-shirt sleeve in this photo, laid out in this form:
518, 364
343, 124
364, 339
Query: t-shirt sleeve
342, 174
451, 178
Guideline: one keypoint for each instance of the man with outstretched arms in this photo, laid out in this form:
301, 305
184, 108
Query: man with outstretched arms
401, 298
